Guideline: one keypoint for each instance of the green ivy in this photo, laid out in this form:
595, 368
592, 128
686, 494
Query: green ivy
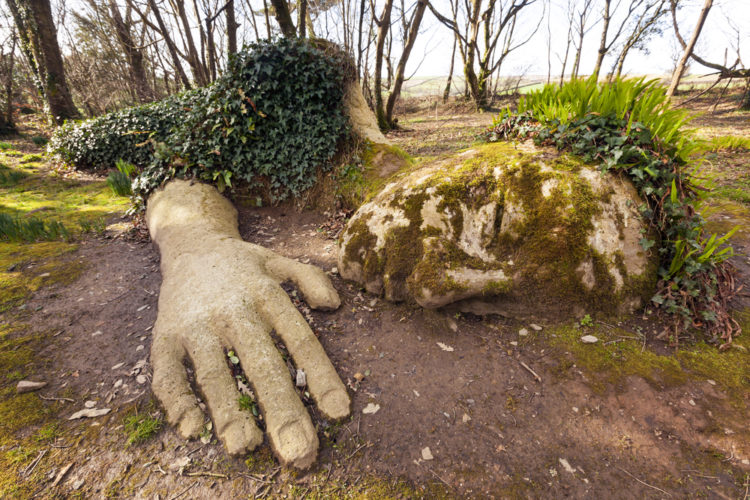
273, 119
628, 126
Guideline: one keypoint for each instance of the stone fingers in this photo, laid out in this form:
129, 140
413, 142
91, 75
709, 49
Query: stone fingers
290, 430
322, 380
170, 384
311, 280
235, 427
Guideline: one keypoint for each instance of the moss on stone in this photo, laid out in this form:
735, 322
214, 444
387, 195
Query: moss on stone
362, 179
547, 243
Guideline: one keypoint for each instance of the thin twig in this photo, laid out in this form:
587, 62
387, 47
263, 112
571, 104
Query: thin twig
209, 474
33, 464
183, 491
440, 478
196, 449
645, 484
366, 445
537, 377
49, 398
61, 474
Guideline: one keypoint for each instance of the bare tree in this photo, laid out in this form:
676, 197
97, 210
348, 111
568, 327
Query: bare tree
645, 25
413, 30
7, 64
606, 41
497, 23
447, 91
133, 53
724, 71
384, 24
583, 16
38, 36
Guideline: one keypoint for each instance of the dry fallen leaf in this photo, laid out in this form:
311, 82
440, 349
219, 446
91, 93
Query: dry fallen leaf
371, 409
445, 347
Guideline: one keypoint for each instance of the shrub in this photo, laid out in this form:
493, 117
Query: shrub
628, 126
39, 140
98, 143
272, 119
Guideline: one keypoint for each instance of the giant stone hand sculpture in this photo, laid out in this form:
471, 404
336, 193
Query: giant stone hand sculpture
221, 292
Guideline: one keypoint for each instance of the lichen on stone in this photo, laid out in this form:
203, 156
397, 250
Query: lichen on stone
504, 226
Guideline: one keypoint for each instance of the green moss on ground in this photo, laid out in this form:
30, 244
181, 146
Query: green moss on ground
618, 355
32, 189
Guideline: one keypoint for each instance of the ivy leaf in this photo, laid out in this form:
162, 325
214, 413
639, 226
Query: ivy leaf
646, 243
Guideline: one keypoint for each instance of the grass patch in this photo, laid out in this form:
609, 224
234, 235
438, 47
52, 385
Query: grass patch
31, 229
31, 158
10, 177
141, 428
725, 142
739, 192
48, 433
5, 146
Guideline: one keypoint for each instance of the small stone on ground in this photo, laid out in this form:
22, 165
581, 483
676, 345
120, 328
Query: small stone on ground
29, 386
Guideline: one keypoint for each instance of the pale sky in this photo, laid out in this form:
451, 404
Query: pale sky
717, 35
432, 51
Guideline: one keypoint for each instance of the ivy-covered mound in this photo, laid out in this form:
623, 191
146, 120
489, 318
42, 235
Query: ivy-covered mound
274, 117
629, 127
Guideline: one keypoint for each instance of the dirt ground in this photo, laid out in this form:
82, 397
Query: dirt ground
505, 409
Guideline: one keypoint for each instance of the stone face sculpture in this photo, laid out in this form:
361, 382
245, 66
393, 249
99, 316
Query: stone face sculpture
501, 230
219, 292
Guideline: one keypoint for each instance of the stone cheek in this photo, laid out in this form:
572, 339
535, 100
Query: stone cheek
451, 231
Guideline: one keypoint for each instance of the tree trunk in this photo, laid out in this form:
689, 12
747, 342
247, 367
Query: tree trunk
211, 48
268, 21
170, 45
447, 91
301, 18
199, 71
37, 31
359, 38
680, 69
6, 116
745, 105
133, 55
472, 82
603, 41
284, 18
232, 28
399, 80
383, 25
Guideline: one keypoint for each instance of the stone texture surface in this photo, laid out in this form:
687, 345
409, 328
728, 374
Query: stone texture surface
500, 229
29, 386
219, 292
